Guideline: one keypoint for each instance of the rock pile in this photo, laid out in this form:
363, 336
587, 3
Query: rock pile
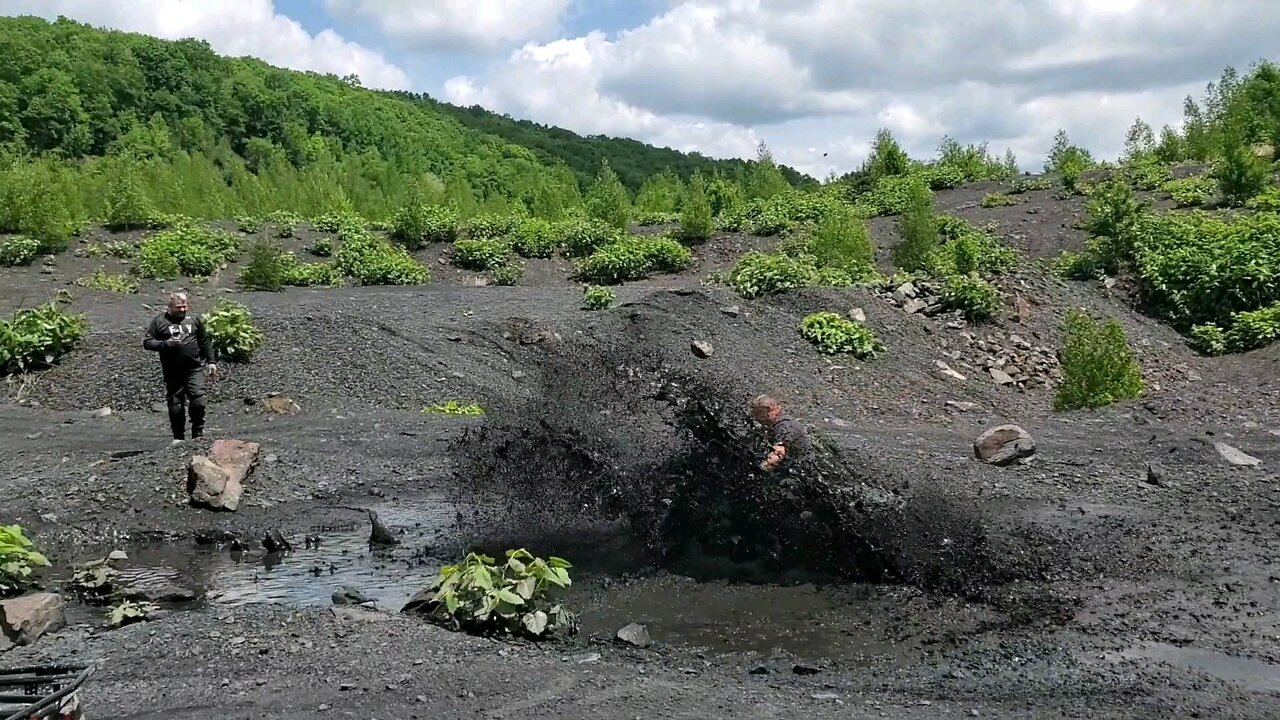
1008, 359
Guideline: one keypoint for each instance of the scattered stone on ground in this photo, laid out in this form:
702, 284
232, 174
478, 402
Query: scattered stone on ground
280, 405
731, 311
702, 349
915, 305
1156, 474
349, 596
805, 669
25, 619
962, 405
858, 315
1001, 377
1004, 444
1235, 456
1021, 309
216, 481
635, 635
946, 370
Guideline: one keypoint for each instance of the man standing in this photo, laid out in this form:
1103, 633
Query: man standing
186, 352
789, 440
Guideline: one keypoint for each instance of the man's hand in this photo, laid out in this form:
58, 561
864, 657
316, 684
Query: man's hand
172, 342
774, 458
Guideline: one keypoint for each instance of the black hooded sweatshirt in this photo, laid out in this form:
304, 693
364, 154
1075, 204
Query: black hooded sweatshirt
194, 349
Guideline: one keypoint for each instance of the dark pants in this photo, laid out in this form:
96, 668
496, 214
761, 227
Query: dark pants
184, 391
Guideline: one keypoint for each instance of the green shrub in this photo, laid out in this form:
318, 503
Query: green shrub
187, 249
757, 274
1114, 212
323, 274
994, 200
18, 556
648, 218
284, 222
127, 612
607, 199
453, 407
665, 254
322, 247
480, 253
268, 267
1191, 191
1266, 201
1098, 366
977, 299
834, 334
595, 297
633, 258
18, 250
100, 280
1253, 329
696, 222
1017, 187
33, 202
918, 233
38, 337
1208, 339
489, 227
516, 598
415, 225
1072, 167
128, 207
581, 237
841, 241
374, 261
833, 277
232, 332
122, 249
339, 221
1240, 174
250, 224
892, 196
1147, 174
535, 238
942, 177
967, 249
507, 274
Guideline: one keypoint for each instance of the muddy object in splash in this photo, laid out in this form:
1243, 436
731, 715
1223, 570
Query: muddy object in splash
275, 542
635, 635
380, 534
1004, 444
216, 481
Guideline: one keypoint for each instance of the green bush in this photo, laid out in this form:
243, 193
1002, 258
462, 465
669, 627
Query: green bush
453, 407
1147, 174
633, 258
507, 274
122, 249
1191, 191
696, 222
416, 224
1266, 201
607, 199
187, 249
841, 241
128, 207
232, 332
105, 282
250, 224
1098, 366
967, 249
480, 253
1253, 329
942, 177
1017, 187
1114, 212
580, 237
268, 267
918, 233
374, 261
322, 247
1208, 339
834, 334
994, 200
595, 297
665, 254
38, 337
284, 222
892, 196
339, 221
489, 227
323, 274
18, 556
516, 598
648, 218
18, 250
33, 201
1240, 174
977, 299
535, 238
757, 274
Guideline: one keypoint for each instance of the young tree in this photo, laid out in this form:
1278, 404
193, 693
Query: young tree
607, 199
887, 157
695, 217
918, 232
764, 178
1139, 142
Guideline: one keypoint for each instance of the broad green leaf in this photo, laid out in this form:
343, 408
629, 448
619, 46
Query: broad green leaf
482, 578
516, 565
507, 596
559, 563
535, 623
525, 588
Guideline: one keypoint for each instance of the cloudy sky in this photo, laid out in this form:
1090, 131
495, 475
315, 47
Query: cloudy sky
812, 78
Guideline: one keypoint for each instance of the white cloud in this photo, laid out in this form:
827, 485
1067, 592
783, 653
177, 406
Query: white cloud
231, 27
820, 76
457, 25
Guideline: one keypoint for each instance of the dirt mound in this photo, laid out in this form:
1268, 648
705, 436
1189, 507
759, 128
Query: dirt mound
628, 422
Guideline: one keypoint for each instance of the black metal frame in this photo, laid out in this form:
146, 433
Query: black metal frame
63, 679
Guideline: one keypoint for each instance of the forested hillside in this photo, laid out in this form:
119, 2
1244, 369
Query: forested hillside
634, 161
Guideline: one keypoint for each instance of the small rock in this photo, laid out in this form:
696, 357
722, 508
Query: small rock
454, 338
1001, 377
702, 349
1021, 309
323, 707
171, 594
1004, 444
962, 405
946, 370
759, 670
272, 458
803, 669
587, 659
857, 315
216, 481
35, 436
518, 374
104, 412
24, 619
914, 305
635, 635
905, 292
380, 534
348, 596
825, 696
1236, 457
280, 405
1156, 475
731, 311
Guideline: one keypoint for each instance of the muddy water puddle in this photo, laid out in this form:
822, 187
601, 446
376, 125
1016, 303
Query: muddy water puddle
1250, 674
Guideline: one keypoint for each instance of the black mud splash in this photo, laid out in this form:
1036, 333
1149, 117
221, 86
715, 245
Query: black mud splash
623, 427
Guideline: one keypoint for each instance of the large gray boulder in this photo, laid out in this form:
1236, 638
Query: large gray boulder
1003, 445
216, 481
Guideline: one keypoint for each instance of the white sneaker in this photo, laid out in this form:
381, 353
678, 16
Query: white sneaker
176, 443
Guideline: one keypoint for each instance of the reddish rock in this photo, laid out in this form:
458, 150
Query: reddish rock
24, 619
1002, 445
217, 481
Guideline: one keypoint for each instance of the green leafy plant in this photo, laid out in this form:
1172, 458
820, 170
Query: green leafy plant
918, 230
1208, 339
322, 274
250, 224
607, 199
1266, 201
101, 280
507, 274
94, 580
835, 334
1017, 187
187, 249
535, 238
417, 224
18, 556
580, 237
490, 226
1148, 173
1191, 191
841, 241
122, 249
374, 261
322, 247
595, 297
284, 222
128, 207
892, 196
1114, 212
696, 222
967, 249
995, 200
757, 274
977, 299
268, 267
1098, 366
453, 407
481, 253
1253, 329
649, 218
37, 337
127, 612
633, 258
341, 221
18, 250
232, 332
1240, 173
518, 597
